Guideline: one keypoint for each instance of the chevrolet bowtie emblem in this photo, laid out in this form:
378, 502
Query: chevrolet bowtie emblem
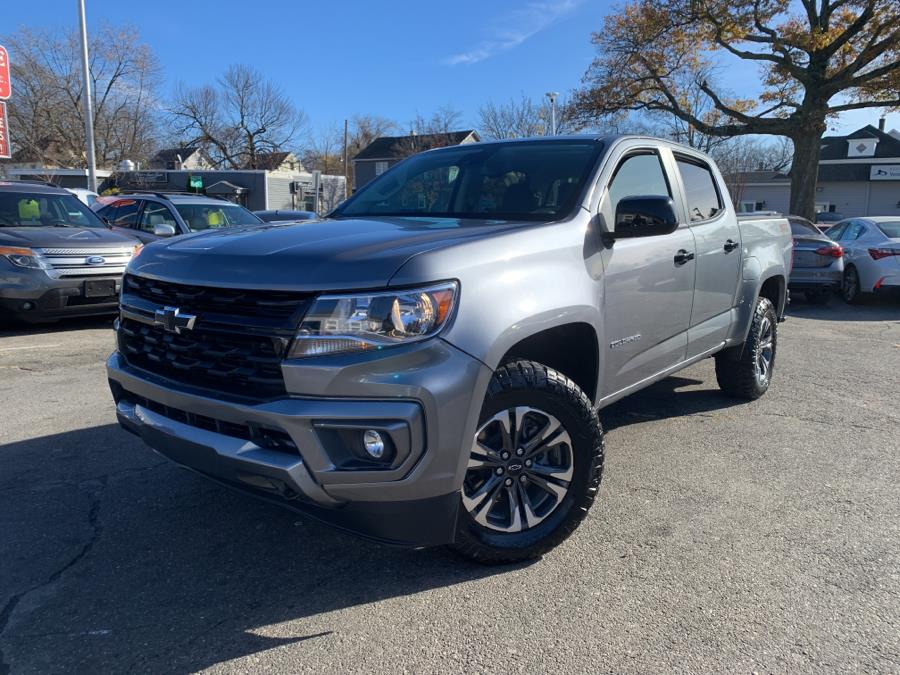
172, 320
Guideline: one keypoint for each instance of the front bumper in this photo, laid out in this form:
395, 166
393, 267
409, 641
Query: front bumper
292, 450
30, 295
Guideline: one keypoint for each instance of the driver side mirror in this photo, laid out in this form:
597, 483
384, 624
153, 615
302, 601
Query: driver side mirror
645, 216
163, 230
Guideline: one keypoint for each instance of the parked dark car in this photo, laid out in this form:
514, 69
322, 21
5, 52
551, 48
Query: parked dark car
825, 219
57, 258
152, 216
818, 262
281, 216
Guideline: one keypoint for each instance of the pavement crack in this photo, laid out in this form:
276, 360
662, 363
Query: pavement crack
11, 604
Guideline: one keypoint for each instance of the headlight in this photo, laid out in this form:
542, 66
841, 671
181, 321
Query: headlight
354, 323
28, 258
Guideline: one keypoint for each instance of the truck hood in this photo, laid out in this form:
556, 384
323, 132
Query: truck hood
308, 255
68, 237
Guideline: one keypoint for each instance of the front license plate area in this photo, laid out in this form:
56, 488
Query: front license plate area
100, 288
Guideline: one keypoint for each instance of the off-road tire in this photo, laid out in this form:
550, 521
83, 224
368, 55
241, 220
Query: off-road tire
525, 383
736, 370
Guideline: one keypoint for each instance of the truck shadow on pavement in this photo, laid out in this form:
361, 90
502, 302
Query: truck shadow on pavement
10, 329
671, 397
116, 560
885, 308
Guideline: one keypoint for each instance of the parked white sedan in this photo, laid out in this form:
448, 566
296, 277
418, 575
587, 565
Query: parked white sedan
871, 255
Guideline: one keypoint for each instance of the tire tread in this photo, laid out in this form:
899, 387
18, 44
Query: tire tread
528, 376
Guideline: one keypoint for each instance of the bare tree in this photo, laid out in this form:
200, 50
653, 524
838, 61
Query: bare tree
444, 120
363, 130
525, 117
240, 118
324, 152
46, 110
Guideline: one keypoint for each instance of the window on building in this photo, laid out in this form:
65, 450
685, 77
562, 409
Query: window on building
380, 168
700, 189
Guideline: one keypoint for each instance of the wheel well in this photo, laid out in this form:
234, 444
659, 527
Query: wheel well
572, 349
773, 289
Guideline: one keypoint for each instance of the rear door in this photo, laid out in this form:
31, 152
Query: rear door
647, 294
718, 263
154, 214
123, 217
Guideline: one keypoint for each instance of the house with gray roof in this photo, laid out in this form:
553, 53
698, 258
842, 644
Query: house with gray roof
385, 151
859, 175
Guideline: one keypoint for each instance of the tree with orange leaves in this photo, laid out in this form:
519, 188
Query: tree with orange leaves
817, 58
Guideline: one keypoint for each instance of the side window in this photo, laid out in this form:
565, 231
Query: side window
836, 232
856, 230
851, 231
126, 212
700, 190
638, 175
156, 214
380, 168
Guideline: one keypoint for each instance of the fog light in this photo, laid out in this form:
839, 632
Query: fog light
373, 443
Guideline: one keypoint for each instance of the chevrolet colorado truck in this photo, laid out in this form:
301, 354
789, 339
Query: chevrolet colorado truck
425, 365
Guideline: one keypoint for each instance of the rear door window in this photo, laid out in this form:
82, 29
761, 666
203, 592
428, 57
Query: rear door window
126, 213
702, 196
854, 231
156, 214
836, 232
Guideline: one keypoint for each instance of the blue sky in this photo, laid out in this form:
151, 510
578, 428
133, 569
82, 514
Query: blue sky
395, 59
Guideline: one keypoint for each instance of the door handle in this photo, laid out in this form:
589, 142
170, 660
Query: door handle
730, 246
683, 256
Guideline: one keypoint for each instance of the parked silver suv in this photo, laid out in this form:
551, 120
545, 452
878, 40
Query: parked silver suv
57, 258
425, 366
150, 216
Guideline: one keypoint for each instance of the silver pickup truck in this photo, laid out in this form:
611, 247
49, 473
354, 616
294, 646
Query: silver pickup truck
425, 366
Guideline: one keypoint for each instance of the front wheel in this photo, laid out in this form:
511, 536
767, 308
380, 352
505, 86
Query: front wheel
534, 467
745, 371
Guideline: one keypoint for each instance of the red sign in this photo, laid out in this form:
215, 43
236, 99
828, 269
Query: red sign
4, 133
5, 82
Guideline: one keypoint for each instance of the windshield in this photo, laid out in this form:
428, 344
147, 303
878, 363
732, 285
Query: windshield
538, 180
801, 227
201, 217
40, 209
890, 228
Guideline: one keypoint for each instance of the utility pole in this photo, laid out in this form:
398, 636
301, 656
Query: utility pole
88, 102
346, 165
552, 96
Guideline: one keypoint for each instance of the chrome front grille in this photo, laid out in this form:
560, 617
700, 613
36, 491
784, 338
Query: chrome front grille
86, 262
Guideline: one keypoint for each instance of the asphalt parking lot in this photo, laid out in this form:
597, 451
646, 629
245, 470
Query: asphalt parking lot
728, 536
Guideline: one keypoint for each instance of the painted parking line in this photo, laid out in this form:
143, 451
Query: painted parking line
12, 349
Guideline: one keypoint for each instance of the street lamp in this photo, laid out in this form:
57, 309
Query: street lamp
88, 103
552, 96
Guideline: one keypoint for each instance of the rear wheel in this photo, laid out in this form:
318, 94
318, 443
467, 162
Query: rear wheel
851, 289
534, 467
746, 371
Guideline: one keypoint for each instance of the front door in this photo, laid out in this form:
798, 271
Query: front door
718, 262
648, 282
